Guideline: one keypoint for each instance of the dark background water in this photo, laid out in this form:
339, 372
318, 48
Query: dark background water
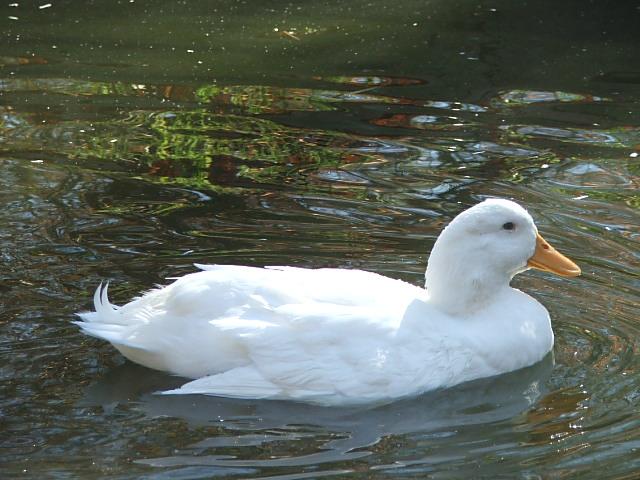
138, 137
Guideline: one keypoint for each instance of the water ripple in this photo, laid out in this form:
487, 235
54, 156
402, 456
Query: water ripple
134, 181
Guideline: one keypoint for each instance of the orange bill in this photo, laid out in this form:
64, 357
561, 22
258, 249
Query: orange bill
548, 259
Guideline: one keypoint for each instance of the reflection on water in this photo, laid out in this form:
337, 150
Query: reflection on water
619, 137
334, 434
517, 98
319, 136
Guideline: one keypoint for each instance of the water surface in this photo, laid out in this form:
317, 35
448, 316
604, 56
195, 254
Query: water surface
138, 137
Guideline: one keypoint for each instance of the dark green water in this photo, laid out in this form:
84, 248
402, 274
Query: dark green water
138, 137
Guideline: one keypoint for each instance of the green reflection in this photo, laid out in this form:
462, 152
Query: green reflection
195, 147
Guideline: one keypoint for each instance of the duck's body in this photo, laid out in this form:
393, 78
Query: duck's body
332, 336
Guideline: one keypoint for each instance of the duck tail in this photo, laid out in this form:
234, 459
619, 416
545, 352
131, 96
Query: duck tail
106, 322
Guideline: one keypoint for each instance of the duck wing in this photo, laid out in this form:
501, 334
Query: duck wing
323, 335
279, 332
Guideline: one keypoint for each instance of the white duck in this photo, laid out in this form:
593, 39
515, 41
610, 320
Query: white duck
335, 336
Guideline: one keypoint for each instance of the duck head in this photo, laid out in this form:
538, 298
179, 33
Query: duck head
481, 250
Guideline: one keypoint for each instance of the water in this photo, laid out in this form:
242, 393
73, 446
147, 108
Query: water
137, 138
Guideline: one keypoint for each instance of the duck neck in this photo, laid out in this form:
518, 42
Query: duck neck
459, 287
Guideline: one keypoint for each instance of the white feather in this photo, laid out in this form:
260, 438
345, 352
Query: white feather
335, 336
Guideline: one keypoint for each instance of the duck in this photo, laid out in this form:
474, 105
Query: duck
335, 336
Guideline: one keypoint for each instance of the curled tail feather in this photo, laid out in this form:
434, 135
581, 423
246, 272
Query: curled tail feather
106, 322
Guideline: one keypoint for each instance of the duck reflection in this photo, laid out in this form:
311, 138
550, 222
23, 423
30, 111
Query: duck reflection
331, 434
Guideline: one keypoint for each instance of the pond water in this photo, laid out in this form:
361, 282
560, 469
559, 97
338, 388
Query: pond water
139, 137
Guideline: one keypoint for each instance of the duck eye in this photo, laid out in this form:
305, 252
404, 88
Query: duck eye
509, 226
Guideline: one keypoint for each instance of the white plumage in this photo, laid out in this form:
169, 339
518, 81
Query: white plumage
336, 336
